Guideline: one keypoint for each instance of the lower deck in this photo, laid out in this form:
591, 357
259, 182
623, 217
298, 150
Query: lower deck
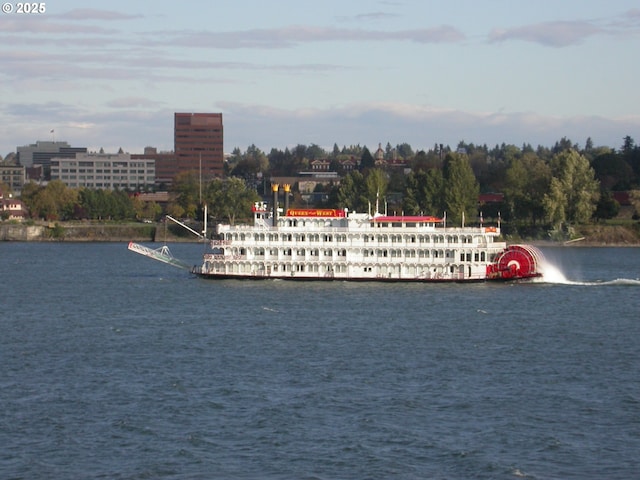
400, 271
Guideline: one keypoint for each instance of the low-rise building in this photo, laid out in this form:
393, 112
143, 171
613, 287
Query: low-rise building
104, 170
11, 208
13, 176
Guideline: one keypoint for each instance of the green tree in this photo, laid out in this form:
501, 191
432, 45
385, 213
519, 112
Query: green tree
54, 202
404, 150
376, 183
461, 188
366, 160
230, 199
527, 181
122, 207
281, 163
574, 191
186, 190
423, 193
612, 170
607, 206
352, 192
28, 195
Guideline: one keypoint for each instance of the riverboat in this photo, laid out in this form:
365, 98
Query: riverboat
336, 244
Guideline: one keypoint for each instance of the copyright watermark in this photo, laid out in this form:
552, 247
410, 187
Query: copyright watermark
29, 8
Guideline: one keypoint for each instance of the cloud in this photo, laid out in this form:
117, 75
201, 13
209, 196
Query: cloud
48, 110
565, 33
550, 34
368, 17
291, 36
97, 14
133, 102
47, 25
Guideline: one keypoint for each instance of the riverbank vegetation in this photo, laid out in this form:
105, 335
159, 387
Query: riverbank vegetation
543, 193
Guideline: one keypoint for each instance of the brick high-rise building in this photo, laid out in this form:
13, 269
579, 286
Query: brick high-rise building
198, 143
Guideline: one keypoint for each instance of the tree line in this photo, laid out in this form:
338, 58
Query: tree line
562, 185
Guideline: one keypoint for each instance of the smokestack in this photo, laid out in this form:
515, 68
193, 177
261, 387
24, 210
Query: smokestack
287, 189
274, 189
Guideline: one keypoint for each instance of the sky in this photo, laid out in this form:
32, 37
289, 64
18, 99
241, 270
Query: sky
349, 72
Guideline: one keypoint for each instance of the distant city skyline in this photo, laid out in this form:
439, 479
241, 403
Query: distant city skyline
358, 72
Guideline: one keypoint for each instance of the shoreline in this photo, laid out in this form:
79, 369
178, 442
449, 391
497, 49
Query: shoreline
590, 236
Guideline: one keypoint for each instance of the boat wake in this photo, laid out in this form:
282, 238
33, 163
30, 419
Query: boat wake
552, 274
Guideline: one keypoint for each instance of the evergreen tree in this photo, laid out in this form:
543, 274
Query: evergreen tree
423, 193
366, 160
461, 188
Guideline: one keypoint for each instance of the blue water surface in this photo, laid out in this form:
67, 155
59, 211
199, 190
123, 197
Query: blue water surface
116, 366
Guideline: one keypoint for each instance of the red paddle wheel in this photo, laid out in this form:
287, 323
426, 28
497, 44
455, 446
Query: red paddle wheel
515, 262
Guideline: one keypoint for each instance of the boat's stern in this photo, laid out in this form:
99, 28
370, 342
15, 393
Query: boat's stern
516, 262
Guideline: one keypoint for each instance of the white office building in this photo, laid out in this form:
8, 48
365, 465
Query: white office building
104, 170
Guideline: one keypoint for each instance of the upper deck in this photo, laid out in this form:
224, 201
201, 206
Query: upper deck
342, 221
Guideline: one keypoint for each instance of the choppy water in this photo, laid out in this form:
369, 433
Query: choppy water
116, 366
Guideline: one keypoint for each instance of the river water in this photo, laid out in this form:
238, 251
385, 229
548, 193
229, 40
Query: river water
116, 366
